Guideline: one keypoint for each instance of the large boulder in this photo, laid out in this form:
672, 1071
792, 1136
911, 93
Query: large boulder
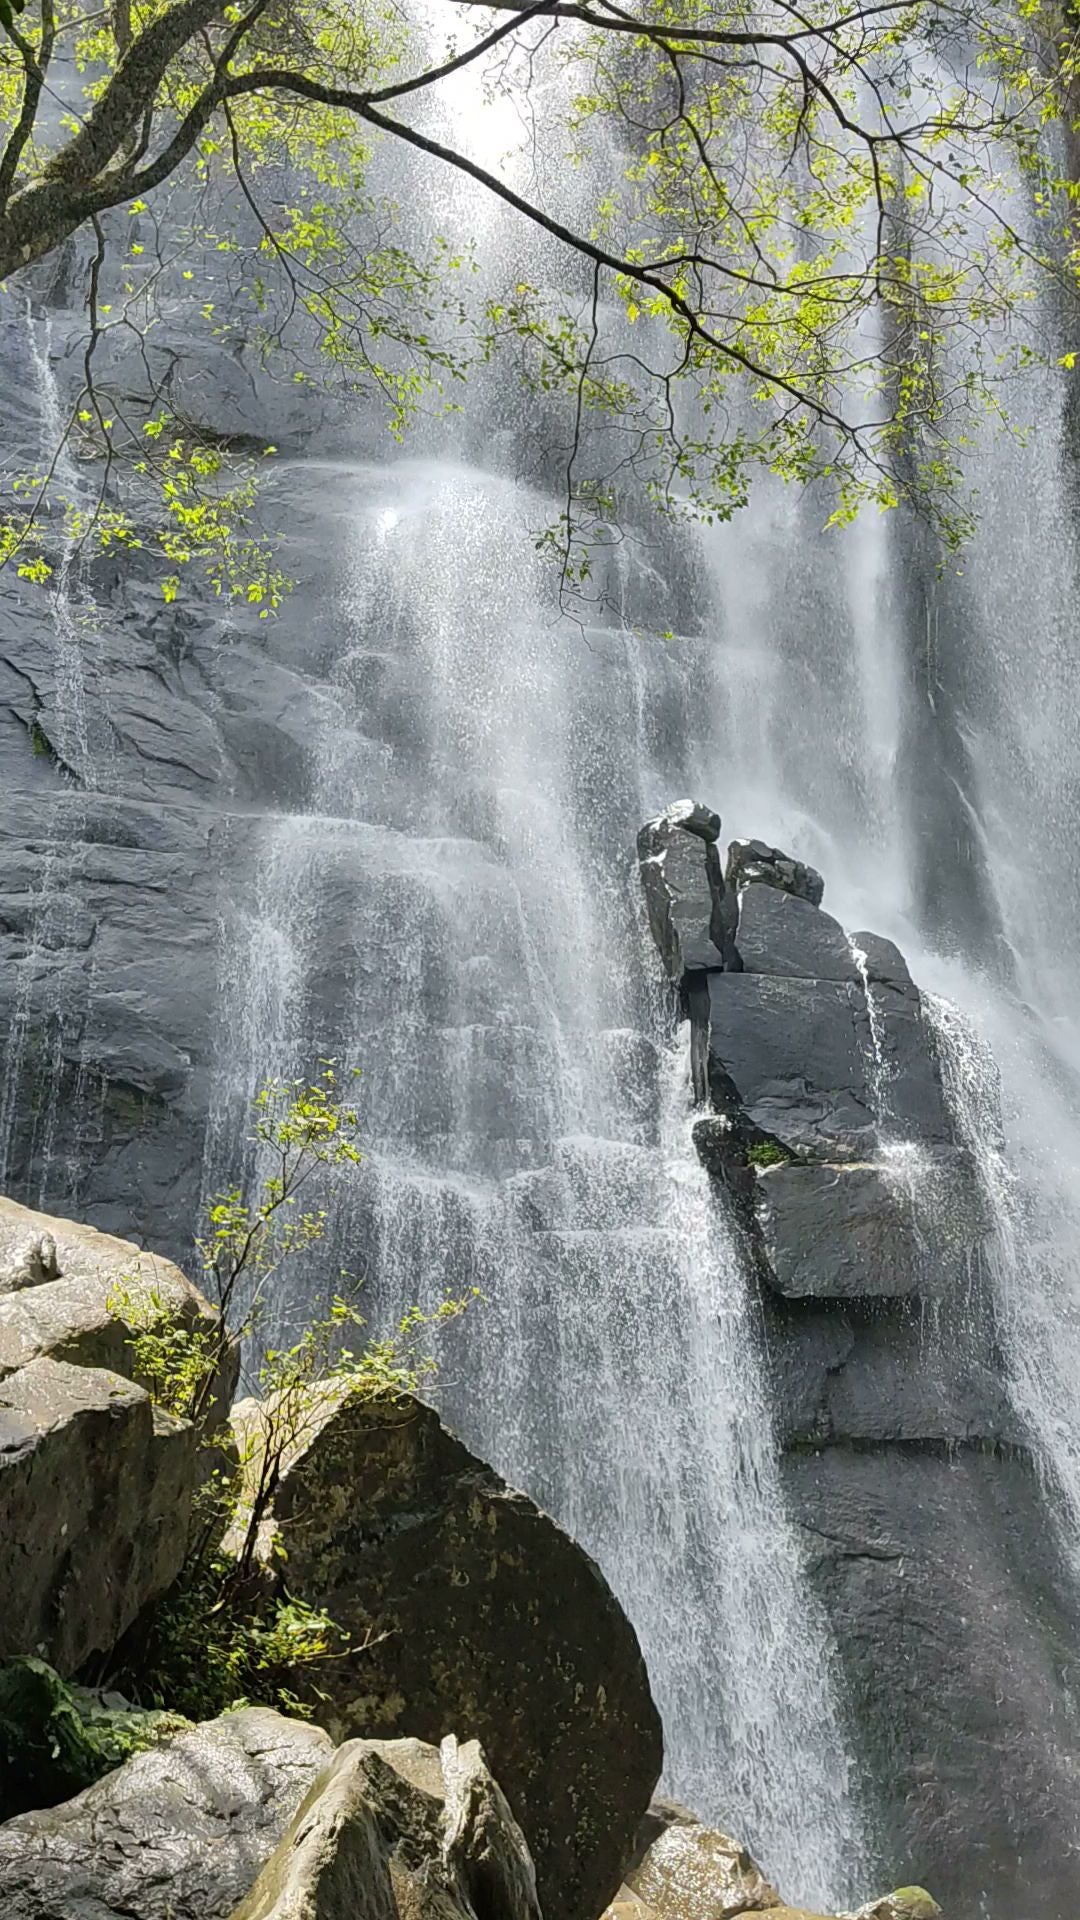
95, 1492
178, 1833
395, 1828
865, 1230
95, 1481
686, 1870
468, 1606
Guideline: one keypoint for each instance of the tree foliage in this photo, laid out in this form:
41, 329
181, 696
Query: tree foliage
807, 236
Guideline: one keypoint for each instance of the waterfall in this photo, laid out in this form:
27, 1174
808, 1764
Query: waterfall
448, 902
448, 909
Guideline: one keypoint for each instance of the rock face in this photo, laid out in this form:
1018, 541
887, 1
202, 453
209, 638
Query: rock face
826, 1127
467, 1604
178, 1833
396, 1829
95, 1481
63, 1293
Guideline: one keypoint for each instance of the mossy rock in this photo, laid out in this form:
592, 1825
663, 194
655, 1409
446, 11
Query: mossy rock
56, 1739
907, 1903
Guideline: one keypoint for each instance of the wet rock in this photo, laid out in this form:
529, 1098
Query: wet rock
784, 933
804, 1062
954, 1616
864, 1372
468, 1606
867, 1230
95, 1494
391, 1829
177, 1833
693, 816
787, 1055
752, 860
691, 912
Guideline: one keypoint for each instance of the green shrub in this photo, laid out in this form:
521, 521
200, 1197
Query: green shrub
229, 1630
768, 1153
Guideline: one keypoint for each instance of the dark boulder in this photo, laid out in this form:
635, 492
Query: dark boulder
860, 1230
469, 1607
783, 933
691, 912
753, 860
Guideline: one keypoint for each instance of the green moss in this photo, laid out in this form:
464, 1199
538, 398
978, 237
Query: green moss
768, 1153
39, 740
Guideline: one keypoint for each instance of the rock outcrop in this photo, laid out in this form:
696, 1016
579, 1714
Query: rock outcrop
469, 1606
178, 1833
396, 1830
685, 1870
691, 911
825, 1124
95, 1481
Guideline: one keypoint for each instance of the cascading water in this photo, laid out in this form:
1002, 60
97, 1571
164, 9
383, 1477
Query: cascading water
79, 740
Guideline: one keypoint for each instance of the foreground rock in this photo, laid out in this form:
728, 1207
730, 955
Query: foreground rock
467, 1606
398, 1828
95, 1482
688, 1871
95, 1493
178, 1833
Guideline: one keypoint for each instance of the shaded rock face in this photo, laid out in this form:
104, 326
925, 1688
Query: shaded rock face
825, 1125
394, 1830
691, 911
467, 1604
178, 1833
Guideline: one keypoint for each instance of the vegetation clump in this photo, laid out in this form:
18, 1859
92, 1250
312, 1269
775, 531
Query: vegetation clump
56, 1739
768, 1153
